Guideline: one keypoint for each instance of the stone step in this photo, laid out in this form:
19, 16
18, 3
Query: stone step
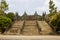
30, 33
30, 24
30, 30
35, 30
31, 27
13, 31
15, 28
45, 28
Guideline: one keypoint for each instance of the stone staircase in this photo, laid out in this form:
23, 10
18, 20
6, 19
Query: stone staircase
15, 29
45, 28
30, 28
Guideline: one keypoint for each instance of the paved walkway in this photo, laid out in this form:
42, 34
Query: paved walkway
29, 37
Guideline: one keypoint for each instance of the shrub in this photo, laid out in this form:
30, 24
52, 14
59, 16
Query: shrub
58, 23
11, 16
4, 23
55, 20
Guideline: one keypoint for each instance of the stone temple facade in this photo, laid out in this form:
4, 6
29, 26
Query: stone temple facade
30, 25
30, 17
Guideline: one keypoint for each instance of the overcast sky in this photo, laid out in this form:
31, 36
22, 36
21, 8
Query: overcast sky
30, 6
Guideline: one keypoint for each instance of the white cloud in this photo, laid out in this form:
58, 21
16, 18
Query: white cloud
30, 5
57, 3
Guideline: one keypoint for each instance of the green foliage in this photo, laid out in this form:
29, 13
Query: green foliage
58, 23
3, 7
1, 12
51, 14
17, 16
4, 23
55, 19
11, 16
52, 7
43, 15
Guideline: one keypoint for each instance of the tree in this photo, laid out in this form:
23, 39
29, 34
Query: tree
43, 15
17, 16
52, 7
36, 15
55, 21
4, 23
24, 15
11, 16
3, 7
